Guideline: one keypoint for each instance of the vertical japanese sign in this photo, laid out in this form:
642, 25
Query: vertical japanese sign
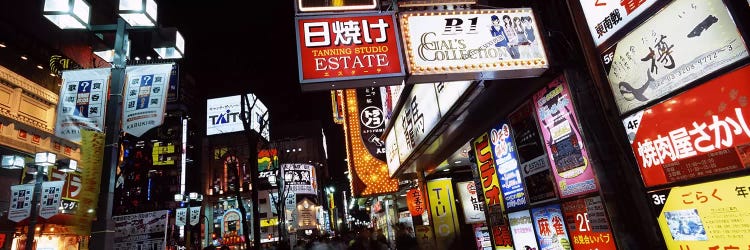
392, 152
535, 169
562, 137
550, 228
49, 204
335, 48
443, 209
415, 200
299, 178
507, 166
290, 209
70, 190
195, 215
522, 229
656, 59
417, 118
180, 217
482, 236
146, 90
425, 237
700, 132
92, 156
472, 206
141, 231
20, 202
588, 224
173, 93
487, 173
712, 215
371, 121
606, 17
83, 96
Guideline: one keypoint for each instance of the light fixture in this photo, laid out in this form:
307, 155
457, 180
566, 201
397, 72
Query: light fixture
24, 57
168, 43
67, 14
45, 159
108, 55
67, 165
178, 197
137, 58
148, 57
52, 74
40, 66
193, 195
138, 13
2, 45
13, 162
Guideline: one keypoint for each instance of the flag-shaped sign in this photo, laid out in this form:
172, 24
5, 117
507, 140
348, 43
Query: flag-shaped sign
50, 201
195, 215
20, 202
180, 217
145, 97
82, 102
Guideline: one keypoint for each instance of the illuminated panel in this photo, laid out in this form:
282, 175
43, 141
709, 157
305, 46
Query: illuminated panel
335, 5
337, 106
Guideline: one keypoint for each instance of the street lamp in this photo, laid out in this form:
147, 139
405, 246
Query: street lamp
133, 15
185, 199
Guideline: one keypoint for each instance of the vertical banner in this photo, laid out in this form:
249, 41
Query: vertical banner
20, 202
562, 137
141, 231
371, 121
535, 169
443, 211
487, 173
92, 156
173, 93
588, 224
195, 215
472, 206
83, 98
522, 229
506, 161
145, 93
290, 210
415, 200
550, 228
180, 217
49, 203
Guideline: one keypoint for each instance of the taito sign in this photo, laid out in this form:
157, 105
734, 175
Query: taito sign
350, 47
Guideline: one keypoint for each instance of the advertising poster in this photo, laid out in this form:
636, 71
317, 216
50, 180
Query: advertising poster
146, 88
562, 137
290, 209
506, 161
605, 17
141, 231
299, 178
389, 96
712, 215
550, 228
522, 229
482, 236
20, 202
535, 169
700, 132
472, 207
83, 97
588, 224
371, 121
656, 59
195, 215
443, 210
336, 48
487, 174
180, 217
443, 42
49, 203
425, 237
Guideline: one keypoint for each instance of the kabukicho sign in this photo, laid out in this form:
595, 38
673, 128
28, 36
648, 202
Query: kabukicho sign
345, 48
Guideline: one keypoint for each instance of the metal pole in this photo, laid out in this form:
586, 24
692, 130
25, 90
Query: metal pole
34, 207
103, 228
187, 227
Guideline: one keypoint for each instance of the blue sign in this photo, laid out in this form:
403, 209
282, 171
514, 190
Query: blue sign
550, 227
506, 161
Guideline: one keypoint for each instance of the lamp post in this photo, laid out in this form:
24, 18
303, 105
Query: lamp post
186, 199
133, 15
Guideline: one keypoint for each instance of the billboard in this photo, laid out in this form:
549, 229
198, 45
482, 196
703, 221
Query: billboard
606, 17
655, 59
522, 229
223, 115
83, 96
348, 51
588, 224
443, 209
506, 162
299, 178
487, 173
141, 231
535, 169
550, 228
339, 5
473, 209
700, 132
472, 45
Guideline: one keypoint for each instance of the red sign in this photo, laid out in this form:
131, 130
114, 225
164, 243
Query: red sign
701, 132
588, 224
415, 201
22, 134
36, 138
348, 47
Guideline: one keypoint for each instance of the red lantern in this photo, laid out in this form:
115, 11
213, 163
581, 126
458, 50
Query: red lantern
415, 200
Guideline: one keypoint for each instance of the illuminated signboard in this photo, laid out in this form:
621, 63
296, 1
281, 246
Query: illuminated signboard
443, 209
605, 17
534, 163
588, 224
656, 59
506, 161
562, 137
712, 215
522, 229
550, 227
163, 154
472, 206
299, 178
472, 45
223, 115
348, 51
698, 133
335, 5
487, 173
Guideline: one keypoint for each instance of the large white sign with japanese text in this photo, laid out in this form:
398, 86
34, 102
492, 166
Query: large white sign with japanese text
473, 207
141, 231
83, 97
299, 178
605, 17
223, 115
145, 97
20, 202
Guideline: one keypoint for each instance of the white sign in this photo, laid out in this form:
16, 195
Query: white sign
522, 230
83, 98
299, 178
141, 231
145, 93
51, 197
473, 41
448, 94
195, 215
417, 118
223, 115
473, 207
391, 152
180, 217
656, 59
605, 17
290, 209
20, 202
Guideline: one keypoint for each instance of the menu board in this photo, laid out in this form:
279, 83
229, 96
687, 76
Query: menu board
588, 224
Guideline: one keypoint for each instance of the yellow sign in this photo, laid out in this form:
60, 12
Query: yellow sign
443, 210
712, 215
487, 171
92, 155
269, 222
163, 154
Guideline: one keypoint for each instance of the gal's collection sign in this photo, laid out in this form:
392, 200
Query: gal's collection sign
588, 224
507, 166
563, 141
83, 96
656, 59
443, 209
146, 90
712, 215
522, 229
535, 169
605, 17
550, 228
700, 132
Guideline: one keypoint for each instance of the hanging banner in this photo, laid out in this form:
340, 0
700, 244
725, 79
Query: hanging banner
535, 169
506, 163
290, 210
141, 231
92, 157
562, 137
371, 121
522, 229
588, 224
415, 200
195, 215
550, 228
299, 178
20, 202
180, 217
700, 132
173, 93
83, 97
712, 215
606, 17
145, 93
49, 203
472, 206
443, 211
71, 189
656, 59
487, 173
